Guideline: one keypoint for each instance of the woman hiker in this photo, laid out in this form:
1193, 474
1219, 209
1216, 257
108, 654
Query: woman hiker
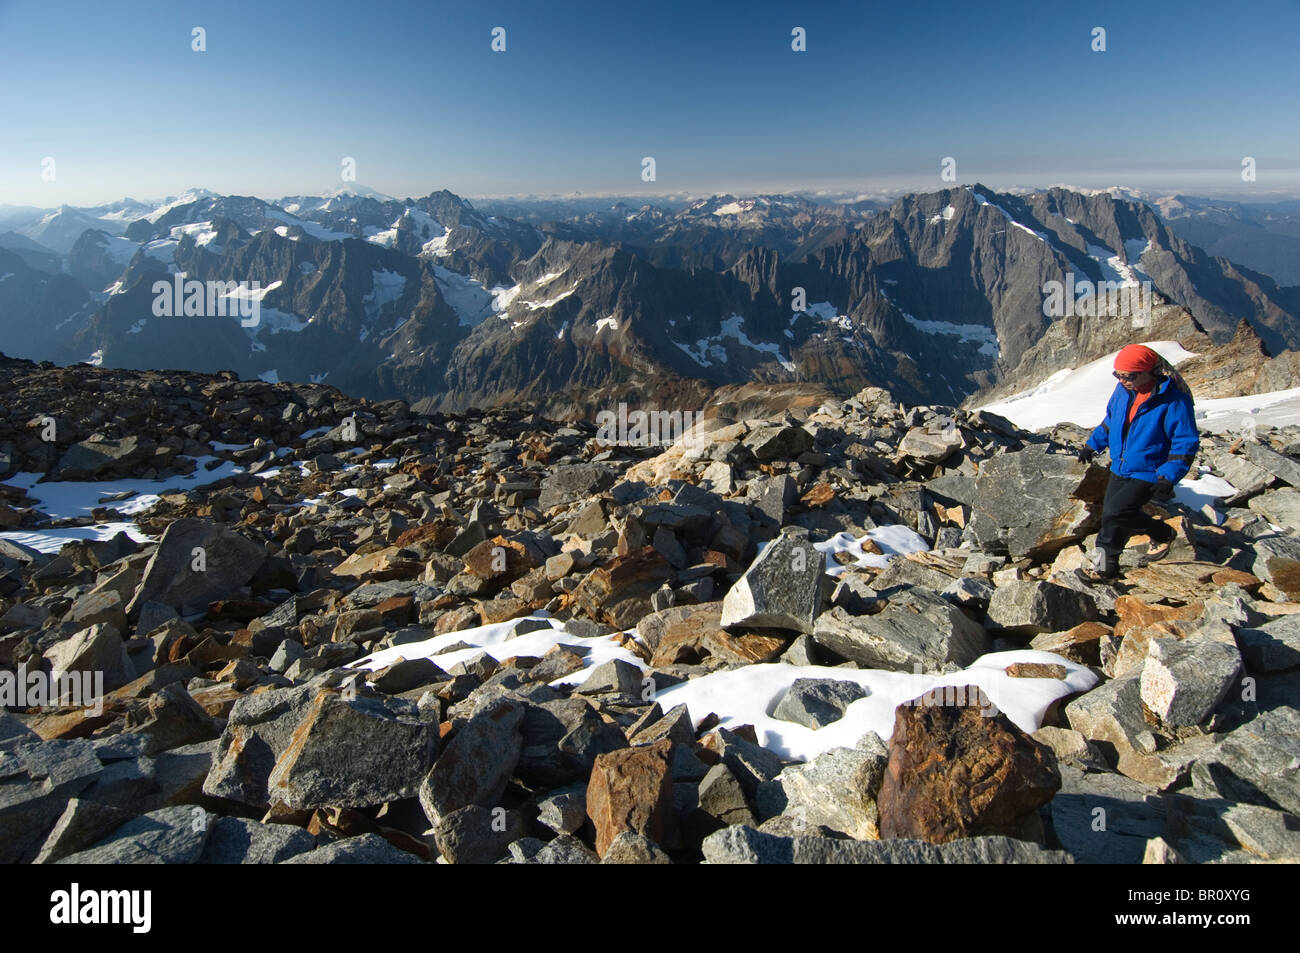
1150, 430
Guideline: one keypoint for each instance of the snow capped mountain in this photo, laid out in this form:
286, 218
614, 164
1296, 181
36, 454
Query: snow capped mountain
938, 296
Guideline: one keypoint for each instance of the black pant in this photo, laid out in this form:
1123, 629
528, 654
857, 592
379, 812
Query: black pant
1121, 514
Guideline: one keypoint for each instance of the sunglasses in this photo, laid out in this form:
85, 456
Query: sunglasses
1119, 375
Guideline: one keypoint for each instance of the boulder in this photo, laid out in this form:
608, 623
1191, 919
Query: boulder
354, 752
475, 834
838, 788
259, 729
630, 847
631, 790
1183, 682
561, 740
1277, 560
778, 442
1032, 607
1273, 646
166, 836
478, 763
933, 755
916, 628
1033, 502
89, 458
181, 576
744, 845
782, 588
571, 482
814, 702
238, 840
362, 849
97, 650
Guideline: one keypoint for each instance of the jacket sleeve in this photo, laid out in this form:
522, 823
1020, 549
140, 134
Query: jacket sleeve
1099, 439
1184, 441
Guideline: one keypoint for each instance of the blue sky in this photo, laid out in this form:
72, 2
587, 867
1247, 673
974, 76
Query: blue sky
414, 93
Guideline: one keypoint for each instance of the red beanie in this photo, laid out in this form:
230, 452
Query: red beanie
1136, 357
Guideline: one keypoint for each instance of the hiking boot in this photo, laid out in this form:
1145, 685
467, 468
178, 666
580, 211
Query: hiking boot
1158, 549
1105, 567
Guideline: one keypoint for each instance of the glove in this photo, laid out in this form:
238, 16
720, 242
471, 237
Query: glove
1163, 492
1086, 454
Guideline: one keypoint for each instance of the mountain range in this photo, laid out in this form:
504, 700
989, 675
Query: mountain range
575, 304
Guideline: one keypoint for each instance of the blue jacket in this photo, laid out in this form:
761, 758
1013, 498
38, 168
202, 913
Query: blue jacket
1162, 440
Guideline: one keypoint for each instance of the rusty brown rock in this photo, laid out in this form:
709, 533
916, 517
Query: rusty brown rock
499, 559
619, 593
1035, 670
1080, 644
631, 790
956, 772
819, 495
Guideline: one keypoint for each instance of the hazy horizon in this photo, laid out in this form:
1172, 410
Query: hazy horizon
284, 99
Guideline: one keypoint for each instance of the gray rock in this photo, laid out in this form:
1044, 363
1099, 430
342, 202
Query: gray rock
1280, 507
925, 446
105, 606
1257, 762
750, 763
814, 702
744, 845
782, 588
171, 719
565, 849
228, 559
573, 481
1273, 647
13, 732
1104, 818
917, 627
970, 591
172, 835
98, 649
1110, 716
1277, 560
478, 763
1273, 835
629, 847
1245, 476
1031, 607
615, 675
773, 496
362, 849
477, 835
720, 796
406, 675
565, 811
1285, 469
561, 740
36, 781
1033, 502
288, 652
238, 840
1183, 681
257, 732
87, 459
354, 752
777, 442
83, 823
838, 788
